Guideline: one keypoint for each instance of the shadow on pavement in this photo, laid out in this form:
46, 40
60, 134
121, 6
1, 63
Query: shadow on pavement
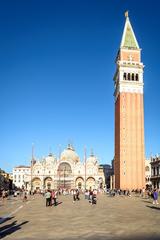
153, 207
133, 237
126, 238
147, 201
97, 237
4, 219
58, 203
10, 228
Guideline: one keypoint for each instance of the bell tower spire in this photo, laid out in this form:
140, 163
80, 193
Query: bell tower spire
129, 40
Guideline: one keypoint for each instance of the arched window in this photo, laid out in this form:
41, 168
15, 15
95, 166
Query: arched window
64, 169
132, 76
124, 76
136, 76
147, 169
129, 76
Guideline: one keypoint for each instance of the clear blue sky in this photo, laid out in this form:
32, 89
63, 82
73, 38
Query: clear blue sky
56, 75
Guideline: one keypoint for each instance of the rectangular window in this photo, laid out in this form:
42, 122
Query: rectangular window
157, 171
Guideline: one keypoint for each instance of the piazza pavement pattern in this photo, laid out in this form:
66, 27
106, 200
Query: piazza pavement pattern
114, 218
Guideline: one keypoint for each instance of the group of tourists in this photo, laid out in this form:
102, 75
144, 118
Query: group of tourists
150, 193
91, 196
119, 192
75, 194
52, 195
144, 193
51, 198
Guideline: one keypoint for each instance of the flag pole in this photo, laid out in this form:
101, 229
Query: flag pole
85, 168
32, 165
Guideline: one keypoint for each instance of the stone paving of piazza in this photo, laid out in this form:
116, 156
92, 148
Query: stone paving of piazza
118, 217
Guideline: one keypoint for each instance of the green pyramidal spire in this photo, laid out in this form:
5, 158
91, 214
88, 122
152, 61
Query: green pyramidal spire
128, 38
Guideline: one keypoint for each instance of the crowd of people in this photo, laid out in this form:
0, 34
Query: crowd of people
51, 196
144, 193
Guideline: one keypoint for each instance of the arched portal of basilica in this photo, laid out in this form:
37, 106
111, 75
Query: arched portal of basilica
80, 183
65, 175
36, 183
90, 183
48, 183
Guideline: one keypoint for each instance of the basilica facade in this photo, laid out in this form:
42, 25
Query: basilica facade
67, 172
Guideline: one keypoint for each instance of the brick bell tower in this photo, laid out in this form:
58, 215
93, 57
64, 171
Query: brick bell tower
129, 164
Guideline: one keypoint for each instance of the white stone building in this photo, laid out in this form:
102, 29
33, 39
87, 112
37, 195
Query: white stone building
148, 172
67, 172
155, 171
19, 173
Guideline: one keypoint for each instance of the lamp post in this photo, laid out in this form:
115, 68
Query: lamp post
32, 166
84, 168
44, 166
64, 177
58, 171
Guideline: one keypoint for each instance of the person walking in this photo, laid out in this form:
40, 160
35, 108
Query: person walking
24, 196
3, 195
90, 195
77, 195
155, 196
54, 197
86, 194
74, 195
94, 197
48, 198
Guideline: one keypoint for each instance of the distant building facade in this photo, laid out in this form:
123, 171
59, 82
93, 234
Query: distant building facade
148, 172
66, 172
5, 180
108, 172
18, 176
155, 171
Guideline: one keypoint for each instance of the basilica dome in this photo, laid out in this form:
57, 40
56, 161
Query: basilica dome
70, 154
92, 159
50, 158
